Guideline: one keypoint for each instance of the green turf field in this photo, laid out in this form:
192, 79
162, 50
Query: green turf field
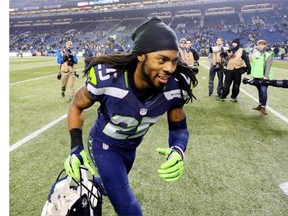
235, 160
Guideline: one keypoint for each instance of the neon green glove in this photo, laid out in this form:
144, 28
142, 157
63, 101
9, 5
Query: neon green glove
172, 169
78, 157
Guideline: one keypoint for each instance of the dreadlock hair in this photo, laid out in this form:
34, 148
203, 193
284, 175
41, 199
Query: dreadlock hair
118, 61
122, 61
183, 68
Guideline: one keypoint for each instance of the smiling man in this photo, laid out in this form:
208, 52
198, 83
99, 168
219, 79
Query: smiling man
134, 90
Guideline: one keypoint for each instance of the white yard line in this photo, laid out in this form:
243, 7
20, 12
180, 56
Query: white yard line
284, 187
29, 80
38, 78
279, 115
36, 133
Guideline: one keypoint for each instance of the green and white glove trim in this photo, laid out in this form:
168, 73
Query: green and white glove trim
78, 157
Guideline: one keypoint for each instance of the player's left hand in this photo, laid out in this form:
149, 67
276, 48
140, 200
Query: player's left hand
78, 157
172, 169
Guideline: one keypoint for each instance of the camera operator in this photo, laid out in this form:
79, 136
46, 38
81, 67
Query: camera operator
216, 67
192, 56
237, 63
186, 56
67, 60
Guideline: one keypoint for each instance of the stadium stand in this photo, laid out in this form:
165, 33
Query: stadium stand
40, 28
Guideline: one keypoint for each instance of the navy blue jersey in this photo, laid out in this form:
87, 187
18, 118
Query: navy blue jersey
116, 48
123, 119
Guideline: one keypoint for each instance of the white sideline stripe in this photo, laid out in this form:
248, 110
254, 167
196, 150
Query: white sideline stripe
284, 187
38, 78
279, 69
279, 115
36, 133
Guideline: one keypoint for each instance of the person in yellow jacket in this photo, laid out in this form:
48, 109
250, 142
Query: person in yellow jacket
261, 69
192, 56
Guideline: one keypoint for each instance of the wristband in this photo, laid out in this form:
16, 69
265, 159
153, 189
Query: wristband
178, 134
76, 137
179, 151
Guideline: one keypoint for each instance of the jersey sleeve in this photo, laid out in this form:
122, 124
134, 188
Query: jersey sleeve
177, 96
98, 81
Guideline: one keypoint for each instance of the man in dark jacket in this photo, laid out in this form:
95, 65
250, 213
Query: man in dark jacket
237, 63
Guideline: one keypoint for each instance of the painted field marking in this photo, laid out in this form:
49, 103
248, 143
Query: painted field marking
284, 187
36, 133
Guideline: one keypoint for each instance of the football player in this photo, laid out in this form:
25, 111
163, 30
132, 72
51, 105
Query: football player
134, 90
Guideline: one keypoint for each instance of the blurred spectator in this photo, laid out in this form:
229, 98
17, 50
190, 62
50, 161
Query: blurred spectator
113, 47
87, 55
276, 51
21, 52
282, 52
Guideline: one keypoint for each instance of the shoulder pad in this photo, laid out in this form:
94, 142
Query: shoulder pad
100, 73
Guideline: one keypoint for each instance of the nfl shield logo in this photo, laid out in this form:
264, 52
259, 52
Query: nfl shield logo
105, 146
84, 202
143, 111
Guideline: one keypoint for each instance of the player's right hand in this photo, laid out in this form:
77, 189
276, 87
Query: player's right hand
78, 157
